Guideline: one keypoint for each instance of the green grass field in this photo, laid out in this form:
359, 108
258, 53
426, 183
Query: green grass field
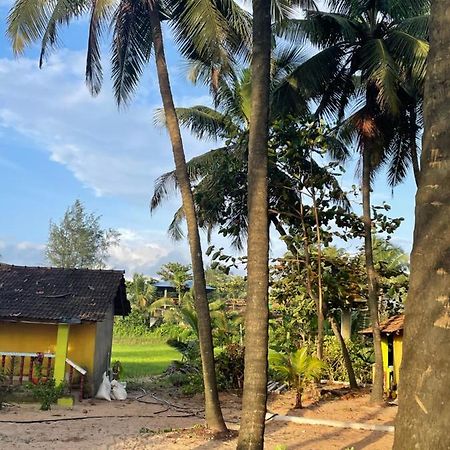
141, 357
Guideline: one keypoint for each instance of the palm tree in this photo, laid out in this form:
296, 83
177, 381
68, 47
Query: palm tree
141, 294
371, 53
423, 415
209, 30
297, 369
251, 432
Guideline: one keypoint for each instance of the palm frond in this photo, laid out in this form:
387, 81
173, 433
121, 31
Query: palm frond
27, 22
164, 186
418, 26
411, 52
399, 162
63, 12
381, 69
101, 12
322, 29
131, 47
404, 9
202, 121
175, 231
213, 31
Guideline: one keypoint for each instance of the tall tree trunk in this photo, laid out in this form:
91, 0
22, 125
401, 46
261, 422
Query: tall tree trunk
251, 433
347, 361
319, 279
424, 414
377, 388
213, 413
325, 311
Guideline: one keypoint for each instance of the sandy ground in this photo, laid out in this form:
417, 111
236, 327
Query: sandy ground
152, 425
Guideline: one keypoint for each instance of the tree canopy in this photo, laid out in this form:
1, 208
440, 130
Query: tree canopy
79, 241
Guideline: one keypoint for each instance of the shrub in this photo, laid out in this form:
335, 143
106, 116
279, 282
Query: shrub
46, 392
230, 367
3, 387
133, 325
360, 354
188, 378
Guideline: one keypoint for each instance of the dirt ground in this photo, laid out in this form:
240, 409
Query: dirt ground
133, 424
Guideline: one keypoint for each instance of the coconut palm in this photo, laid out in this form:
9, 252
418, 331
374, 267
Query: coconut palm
297, 369
254, 399
219, 176
423, 415
209, 30
371, 54
141, 294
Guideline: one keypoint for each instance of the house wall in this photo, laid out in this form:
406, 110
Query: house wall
103, 344
34, 337
398, 352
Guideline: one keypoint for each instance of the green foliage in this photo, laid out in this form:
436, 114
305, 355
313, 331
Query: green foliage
3, 386
190, 350
229, 288
361, 355
230, 367
133, 325
178, 274
46, 392
79, 241
297, 369
117, 369
141, 293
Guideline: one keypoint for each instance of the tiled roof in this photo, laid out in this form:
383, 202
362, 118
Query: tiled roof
392, 325
60, 295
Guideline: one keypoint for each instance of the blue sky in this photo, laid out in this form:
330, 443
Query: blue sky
57, 144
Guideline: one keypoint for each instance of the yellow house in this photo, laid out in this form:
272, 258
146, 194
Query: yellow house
391, 346
58, 322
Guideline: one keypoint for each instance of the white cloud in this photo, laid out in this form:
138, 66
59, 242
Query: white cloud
22, 253
110, 152
141, 251
145, 251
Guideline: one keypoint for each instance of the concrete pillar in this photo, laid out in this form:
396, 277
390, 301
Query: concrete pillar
62, 340
385, 352
346, 323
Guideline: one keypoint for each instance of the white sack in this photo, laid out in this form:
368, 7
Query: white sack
104, 391
118, 391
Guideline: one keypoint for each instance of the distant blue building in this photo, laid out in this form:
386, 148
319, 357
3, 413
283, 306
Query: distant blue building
168, 289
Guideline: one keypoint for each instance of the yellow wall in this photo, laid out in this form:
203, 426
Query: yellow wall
33, 338
398, 351
384, 352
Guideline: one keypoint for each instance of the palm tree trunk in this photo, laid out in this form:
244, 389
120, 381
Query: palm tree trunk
251, 433
213, 413
298, 398
424, 414
377, 388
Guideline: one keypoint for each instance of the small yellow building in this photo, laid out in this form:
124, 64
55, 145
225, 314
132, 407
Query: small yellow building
58, 322
391, 346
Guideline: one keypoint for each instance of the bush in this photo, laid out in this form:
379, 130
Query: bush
3, 387
133, 325
186, 377
230, 367
360, 354
46, 392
